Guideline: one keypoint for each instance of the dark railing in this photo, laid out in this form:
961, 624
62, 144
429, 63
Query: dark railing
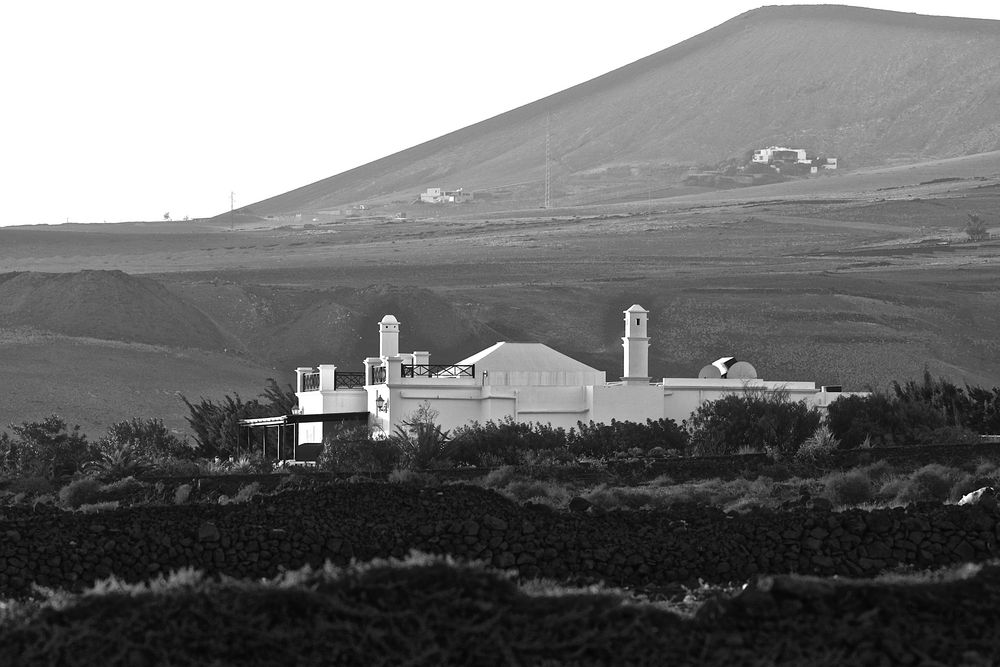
439, 370
348, 380
310, 382
378, 375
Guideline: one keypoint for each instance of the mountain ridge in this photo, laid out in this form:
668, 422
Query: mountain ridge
870, 86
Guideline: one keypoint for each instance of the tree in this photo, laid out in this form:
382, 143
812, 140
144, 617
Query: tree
976, 228
46, 448
216, 425
166, 216
925, 411
421, 442
853, 419
148, 439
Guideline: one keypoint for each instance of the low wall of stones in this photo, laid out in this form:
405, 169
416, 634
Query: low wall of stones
367, 520
682, 469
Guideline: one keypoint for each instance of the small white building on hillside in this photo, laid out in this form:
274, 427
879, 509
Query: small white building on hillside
440, 196
527, 382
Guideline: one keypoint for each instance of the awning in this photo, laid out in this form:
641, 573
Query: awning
284, 420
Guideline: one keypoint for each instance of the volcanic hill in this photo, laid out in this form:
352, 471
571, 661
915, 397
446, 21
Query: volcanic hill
868, 86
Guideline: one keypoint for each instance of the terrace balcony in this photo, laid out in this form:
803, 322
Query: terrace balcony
328, 377
423, 373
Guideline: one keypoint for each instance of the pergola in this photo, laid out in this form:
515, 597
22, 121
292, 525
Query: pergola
281, 421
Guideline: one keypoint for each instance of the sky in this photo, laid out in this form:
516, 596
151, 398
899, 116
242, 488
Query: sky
123, 110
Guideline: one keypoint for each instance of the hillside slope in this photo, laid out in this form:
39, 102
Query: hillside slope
107, 305
869, 86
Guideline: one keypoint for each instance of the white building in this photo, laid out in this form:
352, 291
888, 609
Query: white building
772, 153
439, 196
527, 382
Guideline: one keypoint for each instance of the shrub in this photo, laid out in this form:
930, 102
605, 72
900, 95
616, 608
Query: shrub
121, 488
353, 449
246, 492
247, 465
755, 418
622, 437
951, 435
851, 487
929, 410
94, 508
46, 448
855, 419
85, 490
933, 482
114, 459
171, 467
149, 440
403, 476
661, 480
819, 447
500, 477
33, 486
535, 490
421, 443
976, 228
503, 442
181, 494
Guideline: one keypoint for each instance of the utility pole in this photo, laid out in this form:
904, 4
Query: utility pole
232, 198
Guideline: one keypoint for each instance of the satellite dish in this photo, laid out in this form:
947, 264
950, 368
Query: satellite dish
723, 364
742, 370
709, 372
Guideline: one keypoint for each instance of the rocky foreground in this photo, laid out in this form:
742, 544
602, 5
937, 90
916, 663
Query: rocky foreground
341, 522
432, 612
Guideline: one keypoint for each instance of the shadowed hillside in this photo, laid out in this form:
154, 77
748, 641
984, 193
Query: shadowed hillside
868, 86
109, 305
291, 327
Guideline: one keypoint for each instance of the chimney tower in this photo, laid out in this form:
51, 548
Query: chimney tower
636, 345
388, 337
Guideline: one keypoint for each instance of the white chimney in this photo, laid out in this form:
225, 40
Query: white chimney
636, 345
388, 337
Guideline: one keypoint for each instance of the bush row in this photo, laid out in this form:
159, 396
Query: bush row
929, 411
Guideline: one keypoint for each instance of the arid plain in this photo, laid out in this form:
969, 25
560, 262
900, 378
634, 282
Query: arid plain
857, 279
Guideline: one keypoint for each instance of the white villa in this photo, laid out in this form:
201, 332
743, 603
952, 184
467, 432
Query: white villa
527, 382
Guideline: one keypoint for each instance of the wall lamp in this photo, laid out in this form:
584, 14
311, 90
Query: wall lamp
381, 405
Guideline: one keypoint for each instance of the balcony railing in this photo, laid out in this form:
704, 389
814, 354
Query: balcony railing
310, 382
378, 375
348, 380
438, 371
341, 380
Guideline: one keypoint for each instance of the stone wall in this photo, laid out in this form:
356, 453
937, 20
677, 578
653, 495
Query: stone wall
686, 468
364, 521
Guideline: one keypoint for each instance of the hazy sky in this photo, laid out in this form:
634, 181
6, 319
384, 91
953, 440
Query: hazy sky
127, 110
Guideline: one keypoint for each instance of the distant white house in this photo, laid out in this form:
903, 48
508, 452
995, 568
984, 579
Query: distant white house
527, 382
773, 153
795, 156
439, 196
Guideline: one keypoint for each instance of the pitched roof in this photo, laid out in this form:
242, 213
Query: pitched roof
525, 357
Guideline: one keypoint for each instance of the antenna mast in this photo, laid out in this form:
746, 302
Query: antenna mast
548, 190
